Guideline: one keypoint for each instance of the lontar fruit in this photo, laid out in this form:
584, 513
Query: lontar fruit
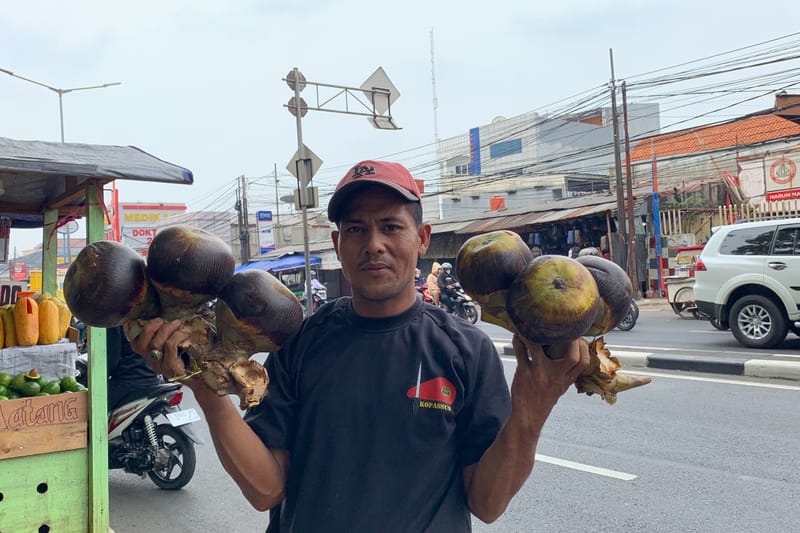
615, 291
553, 300
486, 265
188, 267
107, 285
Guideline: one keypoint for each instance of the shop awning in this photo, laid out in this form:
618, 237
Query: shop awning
287, 262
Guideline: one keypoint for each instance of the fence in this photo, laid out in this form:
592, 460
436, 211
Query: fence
729, 214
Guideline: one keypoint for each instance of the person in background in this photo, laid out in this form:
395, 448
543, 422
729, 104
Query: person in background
418, 281
446, 281
383, 413
127, 371
432, 281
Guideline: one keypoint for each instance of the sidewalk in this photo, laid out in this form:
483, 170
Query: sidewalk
739, 365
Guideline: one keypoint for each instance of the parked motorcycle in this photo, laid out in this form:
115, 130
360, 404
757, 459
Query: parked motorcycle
319, 297
423, 294
148, 434
627, 323
462, 303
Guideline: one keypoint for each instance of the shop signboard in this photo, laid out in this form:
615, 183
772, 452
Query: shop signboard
139, 222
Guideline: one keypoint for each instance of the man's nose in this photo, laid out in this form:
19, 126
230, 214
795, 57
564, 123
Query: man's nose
375, 242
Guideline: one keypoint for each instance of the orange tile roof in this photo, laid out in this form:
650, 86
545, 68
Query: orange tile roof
752, 130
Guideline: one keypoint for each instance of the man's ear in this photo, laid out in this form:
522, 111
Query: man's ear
424, 239
335, 239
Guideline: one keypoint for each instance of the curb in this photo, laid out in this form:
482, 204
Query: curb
758, 368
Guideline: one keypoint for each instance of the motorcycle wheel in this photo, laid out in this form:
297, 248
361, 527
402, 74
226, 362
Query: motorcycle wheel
470, 313
181, 459
629, 321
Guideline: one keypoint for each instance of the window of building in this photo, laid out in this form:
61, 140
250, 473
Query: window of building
504, 148
462, 170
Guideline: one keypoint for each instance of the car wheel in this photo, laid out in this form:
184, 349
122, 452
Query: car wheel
757, 322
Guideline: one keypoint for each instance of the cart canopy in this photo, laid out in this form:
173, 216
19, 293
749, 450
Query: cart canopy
36, 175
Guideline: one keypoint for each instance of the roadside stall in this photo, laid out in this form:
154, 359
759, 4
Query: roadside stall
53, 449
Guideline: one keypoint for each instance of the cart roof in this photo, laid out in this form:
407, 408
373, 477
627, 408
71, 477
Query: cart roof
36, 176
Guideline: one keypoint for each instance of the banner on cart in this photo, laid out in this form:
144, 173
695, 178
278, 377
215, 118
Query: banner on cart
51, 360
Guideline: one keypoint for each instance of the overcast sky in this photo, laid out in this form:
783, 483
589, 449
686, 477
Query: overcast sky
201, 80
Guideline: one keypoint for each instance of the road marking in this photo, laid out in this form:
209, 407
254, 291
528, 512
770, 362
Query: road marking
713, 380
585, 468
659, 349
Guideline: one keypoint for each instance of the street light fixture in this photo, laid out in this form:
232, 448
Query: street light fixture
60, 92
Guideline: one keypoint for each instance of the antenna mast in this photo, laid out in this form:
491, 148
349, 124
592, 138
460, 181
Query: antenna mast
435, 100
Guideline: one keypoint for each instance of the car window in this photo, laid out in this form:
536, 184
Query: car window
786, 242
747, 241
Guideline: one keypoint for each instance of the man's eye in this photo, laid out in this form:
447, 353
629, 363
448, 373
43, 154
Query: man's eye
392, 227
354, 229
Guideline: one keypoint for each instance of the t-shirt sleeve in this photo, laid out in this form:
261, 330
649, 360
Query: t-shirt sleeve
488, 403
273, 419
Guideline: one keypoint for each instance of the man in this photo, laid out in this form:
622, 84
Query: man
383, 413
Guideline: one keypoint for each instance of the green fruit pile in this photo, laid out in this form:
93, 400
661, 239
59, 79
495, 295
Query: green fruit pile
28, 384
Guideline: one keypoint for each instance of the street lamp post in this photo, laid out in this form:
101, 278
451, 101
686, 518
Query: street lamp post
60, 93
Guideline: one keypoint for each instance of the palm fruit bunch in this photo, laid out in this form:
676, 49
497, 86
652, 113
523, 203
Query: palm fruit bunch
551, 300
189, 276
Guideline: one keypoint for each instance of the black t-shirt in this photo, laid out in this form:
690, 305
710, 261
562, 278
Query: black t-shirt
380, 416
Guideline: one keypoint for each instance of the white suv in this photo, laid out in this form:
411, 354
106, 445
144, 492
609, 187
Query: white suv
747, 278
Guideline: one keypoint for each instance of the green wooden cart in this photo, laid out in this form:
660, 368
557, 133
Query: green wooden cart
53, 450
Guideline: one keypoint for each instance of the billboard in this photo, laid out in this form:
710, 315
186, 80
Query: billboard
140, 221
266, 239
779, 178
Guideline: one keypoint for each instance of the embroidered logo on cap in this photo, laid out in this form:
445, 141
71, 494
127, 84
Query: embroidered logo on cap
359, 171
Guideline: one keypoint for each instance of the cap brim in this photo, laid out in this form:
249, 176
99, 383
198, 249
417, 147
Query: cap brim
339, 198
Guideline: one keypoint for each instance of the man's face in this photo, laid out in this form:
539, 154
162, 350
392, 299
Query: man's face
378, 244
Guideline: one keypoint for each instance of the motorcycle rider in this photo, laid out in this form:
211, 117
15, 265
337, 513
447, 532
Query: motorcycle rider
446, 282
127, 370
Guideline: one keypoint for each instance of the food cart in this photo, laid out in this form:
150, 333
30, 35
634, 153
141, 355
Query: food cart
53, 449
680, 287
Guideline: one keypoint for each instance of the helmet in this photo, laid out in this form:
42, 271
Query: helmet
591, 250
447, 266
313, 274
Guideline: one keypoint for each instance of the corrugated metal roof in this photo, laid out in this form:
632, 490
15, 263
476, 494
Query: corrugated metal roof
534, 217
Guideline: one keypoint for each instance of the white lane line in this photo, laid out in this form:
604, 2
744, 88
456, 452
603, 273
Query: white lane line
586, 468
714, 380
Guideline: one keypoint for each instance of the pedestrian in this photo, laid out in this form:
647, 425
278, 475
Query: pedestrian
432, 281
383, 413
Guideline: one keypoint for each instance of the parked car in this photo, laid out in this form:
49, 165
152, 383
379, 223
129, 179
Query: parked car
747, 278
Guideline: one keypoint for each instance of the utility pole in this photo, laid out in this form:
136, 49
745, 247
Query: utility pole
633, 270
277, 200
246, 223
239, 223
617, 161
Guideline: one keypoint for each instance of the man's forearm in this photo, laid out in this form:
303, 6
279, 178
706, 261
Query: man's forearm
503, 469
254, 467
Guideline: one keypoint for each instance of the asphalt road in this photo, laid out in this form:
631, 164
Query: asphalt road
688, 452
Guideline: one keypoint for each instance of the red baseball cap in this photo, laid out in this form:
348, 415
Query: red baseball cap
392, 175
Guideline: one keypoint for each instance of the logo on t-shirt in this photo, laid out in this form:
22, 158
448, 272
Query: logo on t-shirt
436, 393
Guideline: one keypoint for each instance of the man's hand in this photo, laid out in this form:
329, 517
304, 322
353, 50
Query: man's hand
158, 343
539, 381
